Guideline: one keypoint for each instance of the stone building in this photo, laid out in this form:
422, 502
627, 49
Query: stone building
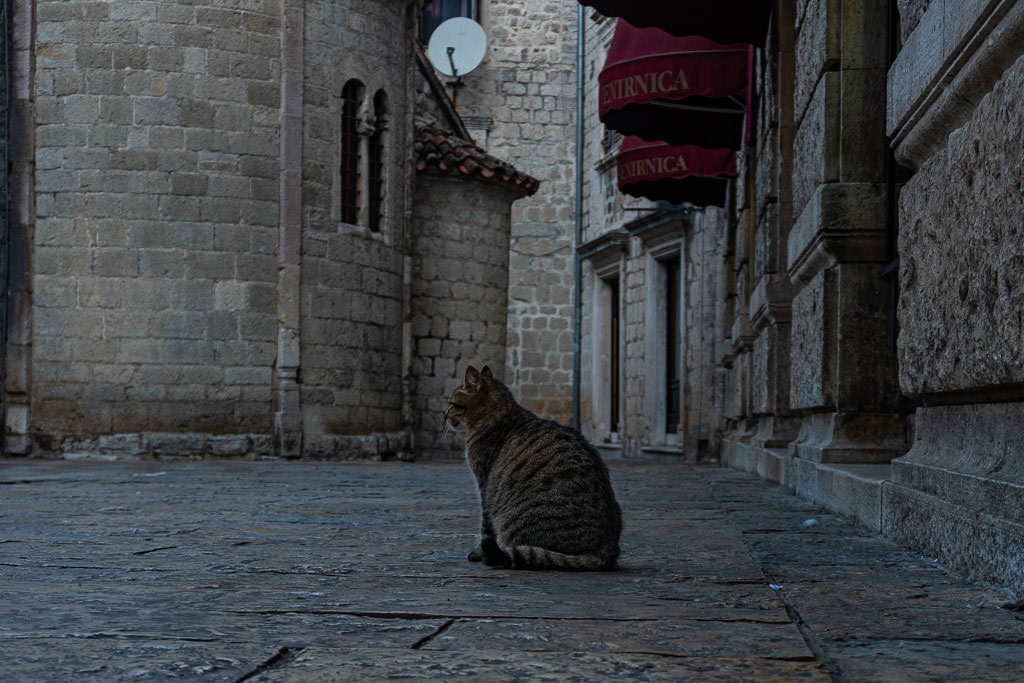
218, 217
853, 307
520, 105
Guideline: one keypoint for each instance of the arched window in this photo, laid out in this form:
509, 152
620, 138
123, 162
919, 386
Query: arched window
352, 100
375, 181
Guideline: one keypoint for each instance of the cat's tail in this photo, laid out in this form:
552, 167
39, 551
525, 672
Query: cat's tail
532, 557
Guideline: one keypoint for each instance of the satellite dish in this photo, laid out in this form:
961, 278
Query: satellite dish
457, 46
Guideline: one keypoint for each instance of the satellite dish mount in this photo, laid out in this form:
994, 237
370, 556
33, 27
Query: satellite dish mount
457, 47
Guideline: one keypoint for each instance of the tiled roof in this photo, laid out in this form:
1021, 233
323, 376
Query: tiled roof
442, 151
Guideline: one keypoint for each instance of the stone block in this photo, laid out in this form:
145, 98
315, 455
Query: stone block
942, 71
176, 445
816, 141
968, 457
189, 183
840, 349
55, 291
812, 363
228, 444
850, 438
853, 490
962, 254
217, 17
148, 293
155, 111
817, 47
841, 222
178, 325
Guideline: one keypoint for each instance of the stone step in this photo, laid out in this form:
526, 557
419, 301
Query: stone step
854, 490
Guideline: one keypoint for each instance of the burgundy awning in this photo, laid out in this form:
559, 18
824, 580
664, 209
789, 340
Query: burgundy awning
685, 91
675, 173
724, 21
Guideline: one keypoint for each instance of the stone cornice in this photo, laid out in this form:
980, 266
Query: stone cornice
843, 222
947, 64
605, 250
771, 301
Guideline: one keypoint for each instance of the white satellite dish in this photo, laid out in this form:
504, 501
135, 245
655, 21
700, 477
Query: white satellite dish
457, 46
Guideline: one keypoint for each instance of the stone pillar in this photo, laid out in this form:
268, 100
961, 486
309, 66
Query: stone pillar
770, 300
842, 372
287, 397
702, 251
20, 188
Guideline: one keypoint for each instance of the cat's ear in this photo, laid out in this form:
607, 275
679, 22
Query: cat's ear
486, 372
472, 377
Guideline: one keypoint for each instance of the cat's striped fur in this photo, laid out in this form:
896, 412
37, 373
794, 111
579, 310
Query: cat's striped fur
545, 494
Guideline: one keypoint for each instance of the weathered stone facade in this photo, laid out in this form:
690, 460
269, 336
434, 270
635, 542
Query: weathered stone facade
956, 117
459, 277
215, 219
852, 318
154, 243
520, 105
636, 264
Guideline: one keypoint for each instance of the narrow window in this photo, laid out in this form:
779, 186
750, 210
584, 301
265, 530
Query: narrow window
375, 186
352, 100
614, 323
672, 351
436, 12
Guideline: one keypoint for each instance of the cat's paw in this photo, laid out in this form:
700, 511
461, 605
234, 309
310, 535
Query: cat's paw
490, 554
497, 558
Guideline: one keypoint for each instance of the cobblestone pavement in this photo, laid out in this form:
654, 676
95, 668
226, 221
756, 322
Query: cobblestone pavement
303, 571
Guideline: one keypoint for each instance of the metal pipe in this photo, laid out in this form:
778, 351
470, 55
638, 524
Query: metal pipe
5, 199
578, 238
700, 357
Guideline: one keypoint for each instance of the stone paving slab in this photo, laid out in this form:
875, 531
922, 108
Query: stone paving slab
307, 571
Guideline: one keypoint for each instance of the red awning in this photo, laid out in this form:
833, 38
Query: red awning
682, 90
675, 173
724, 21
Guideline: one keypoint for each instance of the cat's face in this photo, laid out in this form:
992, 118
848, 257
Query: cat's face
469, 398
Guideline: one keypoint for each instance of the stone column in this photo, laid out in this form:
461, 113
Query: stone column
842, 372
287, 397
20, 187
770, 301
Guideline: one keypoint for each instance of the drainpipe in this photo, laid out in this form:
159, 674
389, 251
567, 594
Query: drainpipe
5, 203
578, 240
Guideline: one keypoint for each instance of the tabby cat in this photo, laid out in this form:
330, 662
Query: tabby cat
546, 497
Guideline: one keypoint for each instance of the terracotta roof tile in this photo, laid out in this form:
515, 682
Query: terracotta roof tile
441, 150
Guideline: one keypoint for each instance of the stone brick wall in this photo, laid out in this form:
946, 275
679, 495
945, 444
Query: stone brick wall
962, 254
352, 283
459, 297
154, 249
526, 88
